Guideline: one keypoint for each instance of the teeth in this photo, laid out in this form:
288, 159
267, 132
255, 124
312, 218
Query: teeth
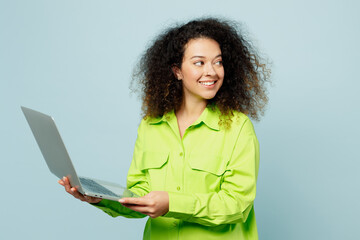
207, 83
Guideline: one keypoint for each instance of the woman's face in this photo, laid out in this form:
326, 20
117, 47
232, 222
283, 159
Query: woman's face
201, 72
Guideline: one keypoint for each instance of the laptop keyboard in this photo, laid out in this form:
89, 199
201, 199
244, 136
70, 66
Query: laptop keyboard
96, 187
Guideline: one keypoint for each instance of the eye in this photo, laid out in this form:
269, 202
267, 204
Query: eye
199, 63
219, 63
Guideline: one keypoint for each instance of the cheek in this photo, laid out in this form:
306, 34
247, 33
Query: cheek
192, 74
221, 73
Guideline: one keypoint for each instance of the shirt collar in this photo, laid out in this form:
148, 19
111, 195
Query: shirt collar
210, 117
165, 118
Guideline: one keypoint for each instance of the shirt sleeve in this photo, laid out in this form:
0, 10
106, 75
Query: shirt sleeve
136, 183
234, 201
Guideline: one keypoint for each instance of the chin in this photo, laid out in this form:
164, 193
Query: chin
209, 96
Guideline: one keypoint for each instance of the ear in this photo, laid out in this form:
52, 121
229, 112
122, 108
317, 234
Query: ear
177, 72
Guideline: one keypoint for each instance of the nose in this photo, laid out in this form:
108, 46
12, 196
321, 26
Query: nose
209, 70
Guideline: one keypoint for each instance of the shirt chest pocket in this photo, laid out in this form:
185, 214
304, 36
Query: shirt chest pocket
207, 171
154, 165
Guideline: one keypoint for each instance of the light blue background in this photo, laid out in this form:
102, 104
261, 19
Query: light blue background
73, 60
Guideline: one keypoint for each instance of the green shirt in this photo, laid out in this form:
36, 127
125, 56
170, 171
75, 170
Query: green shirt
210, 175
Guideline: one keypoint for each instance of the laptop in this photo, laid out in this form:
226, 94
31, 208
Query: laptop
58, 160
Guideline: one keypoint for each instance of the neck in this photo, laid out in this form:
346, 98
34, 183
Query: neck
192, 108
189, 111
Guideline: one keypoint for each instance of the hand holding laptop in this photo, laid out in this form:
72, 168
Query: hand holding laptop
58, 160
75, 193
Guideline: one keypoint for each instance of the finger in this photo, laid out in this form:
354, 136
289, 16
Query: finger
134, 201
68, 188
137, 208
143, 209
66, 180
77, 194
90, 199
67, 184
61, 182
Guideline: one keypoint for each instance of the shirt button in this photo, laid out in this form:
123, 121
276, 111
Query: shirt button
181, 154
178, 188
175, 224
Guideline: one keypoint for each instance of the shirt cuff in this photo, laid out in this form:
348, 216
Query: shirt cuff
105, 205
181, 205
114, 209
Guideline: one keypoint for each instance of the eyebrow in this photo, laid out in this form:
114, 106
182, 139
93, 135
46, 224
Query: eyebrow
204, 57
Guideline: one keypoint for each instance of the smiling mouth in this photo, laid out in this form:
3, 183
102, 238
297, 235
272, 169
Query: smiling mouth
208, 83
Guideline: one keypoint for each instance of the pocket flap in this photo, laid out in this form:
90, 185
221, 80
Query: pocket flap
209, 163
153, 160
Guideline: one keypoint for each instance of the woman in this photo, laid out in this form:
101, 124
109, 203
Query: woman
196, 156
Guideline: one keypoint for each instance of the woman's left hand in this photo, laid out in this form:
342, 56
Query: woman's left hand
154, 204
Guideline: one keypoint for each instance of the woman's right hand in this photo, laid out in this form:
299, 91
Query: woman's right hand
73, 191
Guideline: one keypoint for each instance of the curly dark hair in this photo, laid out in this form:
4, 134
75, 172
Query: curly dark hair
243, 87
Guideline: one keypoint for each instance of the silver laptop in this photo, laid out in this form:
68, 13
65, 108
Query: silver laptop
58, 160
